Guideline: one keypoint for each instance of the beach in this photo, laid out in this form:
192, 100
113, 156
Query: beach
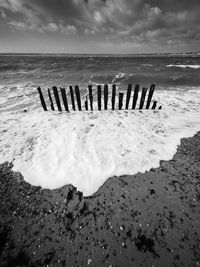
99, 188
147, 219
99, 133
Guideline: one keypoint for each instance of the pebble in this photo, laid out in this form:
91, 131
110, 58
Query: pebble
89, 261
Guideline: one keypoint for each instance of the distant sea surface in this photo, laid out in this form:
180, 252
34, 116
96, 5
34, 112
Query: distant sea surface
64, 70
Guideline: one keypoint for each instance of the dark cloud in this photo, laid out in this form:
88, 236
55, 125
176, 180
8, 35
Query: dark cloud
163, 23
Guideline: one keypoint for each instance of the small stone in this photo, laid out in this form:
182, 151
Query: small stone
89, 261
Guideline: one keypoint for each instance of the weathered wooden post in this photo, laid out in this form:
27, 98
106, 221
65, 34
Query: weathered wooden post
128, 95
55, 91
72, 97
151, 91
154, 104
120, 100
105, 96
64, 97
42, 99
99, 96
135, 96
86, 103
113, 96
51, 101
90, 96
142, 99
78, 98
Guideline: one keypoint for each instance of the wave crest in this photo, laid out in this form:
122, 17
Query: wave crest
184, 66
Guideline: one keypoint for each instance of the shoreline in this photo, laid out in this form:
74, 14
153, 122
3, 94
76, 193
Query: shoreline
146, 219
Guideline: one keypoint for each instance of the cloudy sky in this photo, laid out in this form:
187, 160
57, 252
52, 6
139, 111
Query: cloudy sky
99, 26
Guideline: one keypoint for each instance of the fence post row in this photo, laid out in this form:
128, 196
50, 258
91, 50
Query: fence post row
89, 98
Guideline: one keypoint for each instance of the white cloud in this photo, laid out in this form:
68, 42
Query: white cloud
12, 5
134, 21
21, 26
98, 17
89, 32
30, 16
32, 19
156, 11
68, 30
3, 14
53, 27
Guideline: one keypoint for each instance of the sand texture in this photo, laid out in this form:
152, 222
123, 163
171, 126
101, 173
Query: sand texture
150, 219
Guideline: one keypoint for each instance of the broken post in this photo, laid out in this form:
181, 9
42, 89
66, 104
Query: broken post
64, 98
154, 104
120, 100
135, 96
151, 91
78, 98
113, 96
51, 101
128, 95
42, 99
142, 99
72, 97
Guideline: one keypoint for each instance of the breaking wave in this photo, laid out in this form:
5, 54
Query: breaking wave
184, 66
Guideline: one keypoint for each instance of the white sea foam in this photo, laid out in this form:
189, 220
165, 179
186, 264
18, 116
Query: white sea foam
120, 77
86, 148
184, 66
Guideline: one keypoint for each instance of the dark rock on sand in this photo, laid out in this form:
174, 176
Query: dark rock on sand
150, 219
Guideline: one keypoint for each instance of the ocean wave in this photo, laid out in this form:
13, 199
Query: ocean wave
101, 78
85, 149
145, 79
120, 77
184, 66
147, 65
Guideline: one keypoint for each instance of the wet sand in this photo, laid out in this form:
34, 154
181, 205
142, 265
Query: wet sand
150, 219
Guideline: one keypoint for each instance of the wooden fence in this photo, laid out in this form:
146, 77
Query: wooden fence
145, 101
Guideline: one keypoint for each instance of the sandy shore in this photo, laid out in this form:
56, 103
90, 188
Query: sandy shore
150, 219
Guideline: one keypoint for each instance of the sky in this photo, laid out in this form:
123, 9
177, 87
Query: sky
99, 26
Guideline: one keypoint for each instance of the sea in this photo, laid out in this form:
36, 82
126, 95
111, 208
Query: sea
84, 148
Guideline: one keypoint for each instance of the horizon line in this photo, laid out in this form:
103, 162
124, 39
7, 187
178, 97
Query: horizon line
51, 53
